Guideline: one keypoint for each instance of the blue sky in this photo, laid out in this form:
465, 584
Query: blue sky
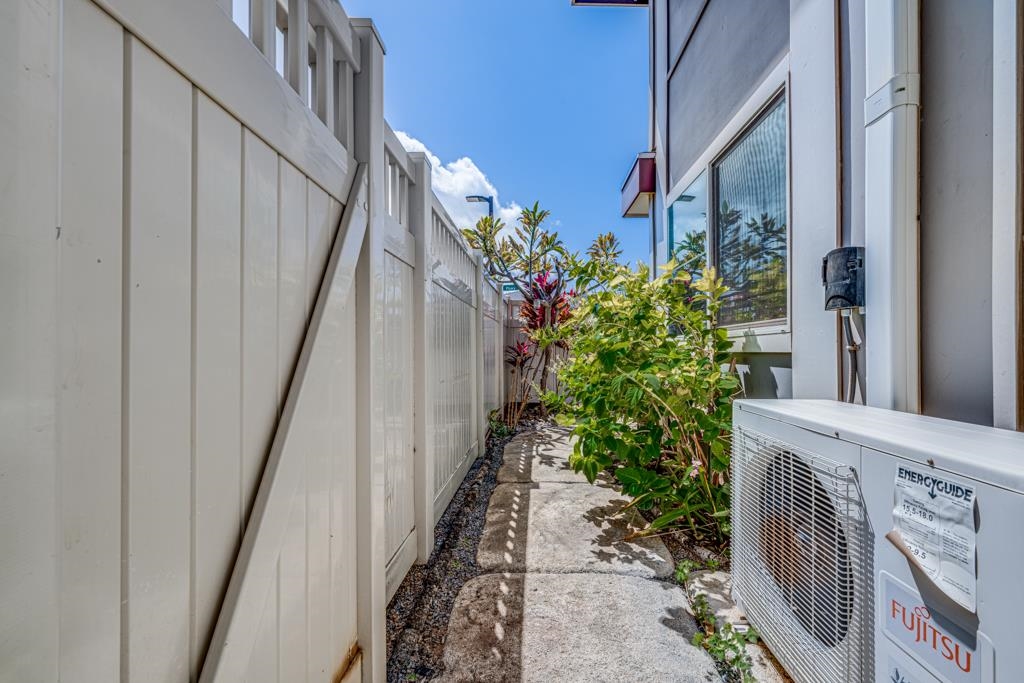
546, 100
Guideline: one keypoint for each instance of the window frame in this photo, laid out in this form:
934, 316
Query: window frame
769, 336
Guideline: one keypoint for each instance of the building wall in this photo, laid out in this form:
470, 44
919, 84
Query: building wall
956, 209
765, 375
709, 56
851, 108
730, 46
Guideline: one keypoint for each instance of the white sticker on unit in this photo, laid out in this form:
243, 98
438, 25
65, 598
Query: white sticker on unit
909, 622
935, 517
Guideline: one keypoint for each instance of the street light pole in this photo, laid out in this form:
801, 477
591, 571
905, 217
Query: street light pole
481, 198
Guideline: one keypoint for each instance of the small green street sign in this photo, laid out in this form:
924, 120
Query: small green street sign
508, 287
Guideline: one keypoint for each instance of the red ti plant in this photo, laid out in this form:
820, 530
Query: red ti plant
517, 357
548, 307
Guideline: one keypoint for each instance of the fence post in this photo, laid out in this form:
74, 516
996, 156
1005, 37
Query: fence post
478, 357
368, 125
421, 215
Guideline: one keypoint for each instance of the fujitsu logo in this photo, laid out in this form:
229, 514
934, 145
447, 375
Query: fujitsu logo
917, 620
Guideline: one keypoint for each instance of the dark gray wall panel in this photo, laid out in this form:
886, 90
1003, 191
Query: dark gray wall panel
956, 209
682, 15
851, 109
733, 48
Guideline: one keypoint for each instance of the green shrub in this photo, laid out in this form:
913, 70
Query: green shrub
646, 389
497, 426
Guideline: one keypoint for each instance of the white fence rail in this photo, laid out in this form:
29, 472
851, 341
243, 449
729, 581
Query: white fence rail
247, 355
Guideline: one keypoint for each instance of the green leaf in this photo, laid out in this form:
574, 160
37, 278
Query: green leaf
669, 517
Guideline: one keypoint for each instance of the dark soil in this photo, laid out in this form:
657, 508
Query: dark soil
418, 614
682, 547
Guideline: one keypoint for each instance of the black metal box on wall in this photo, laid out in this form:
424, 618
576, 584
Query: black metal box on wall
842, 273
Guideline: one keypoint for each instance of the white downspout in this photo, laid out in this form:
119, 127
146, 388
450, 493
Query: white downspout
891, 116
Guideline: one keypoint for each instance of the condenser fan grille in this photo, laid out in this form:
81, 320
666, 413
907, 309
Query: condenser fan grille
802, 559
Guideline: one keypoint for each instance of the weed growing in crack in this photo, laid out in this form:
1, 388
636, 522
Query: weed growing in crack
726, 645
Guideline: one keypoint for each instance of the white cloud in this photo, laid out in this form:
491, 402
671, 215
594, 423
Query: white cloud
455, 180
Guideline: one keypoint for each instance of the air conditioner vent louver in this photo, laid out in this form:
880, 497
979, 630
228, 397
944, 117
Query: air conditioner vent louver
802, 558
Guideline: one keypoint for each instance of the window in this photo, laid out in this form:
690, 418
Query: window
688, 227
750, 217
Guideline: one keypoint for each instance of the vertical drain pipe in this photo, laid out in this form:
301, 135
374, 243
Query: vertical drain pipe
891, 120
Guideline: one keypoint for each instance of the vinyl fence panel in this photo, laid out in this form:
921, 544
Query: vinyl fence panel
243, 373
451, 371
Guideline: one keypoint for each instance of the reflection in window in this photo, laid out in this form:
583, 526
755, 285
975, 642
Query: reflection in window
688, 227
750, 222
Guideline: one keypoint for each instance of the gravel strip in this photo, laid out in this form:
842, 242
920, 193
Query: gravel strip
417, 619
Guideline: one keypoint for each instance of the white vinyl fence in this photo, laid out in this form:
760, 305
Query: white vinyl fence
452, 303
494, 348
246, 355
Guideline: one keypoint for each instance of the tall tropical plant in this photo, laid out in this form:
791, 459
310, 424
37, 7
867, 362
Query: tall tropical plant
536, 262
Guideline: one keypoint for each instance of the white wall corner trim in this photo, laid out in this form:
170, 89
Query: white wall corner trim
1006, 215
814, 194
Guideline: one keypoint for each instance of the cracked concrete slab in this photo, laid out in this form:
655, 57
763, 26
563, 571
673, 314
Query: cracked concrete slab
540, 457
560, 528
569, 599
573, 627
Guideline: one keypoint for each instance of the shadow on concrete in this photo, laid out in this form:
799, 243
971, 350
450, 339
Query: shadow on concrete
543, 458
617, 523
485, 630
678, 619
547, 453
502, 546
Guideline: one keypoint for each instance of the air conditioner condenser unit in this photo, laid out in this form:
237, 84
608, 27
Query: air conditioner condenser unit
873, 545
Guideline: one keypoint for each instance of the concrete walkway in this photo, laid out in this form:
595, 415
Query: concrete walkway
568, 598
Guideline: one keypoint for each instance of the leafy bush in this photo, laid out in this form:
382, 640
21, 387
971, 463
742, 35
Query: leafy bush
645, 390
